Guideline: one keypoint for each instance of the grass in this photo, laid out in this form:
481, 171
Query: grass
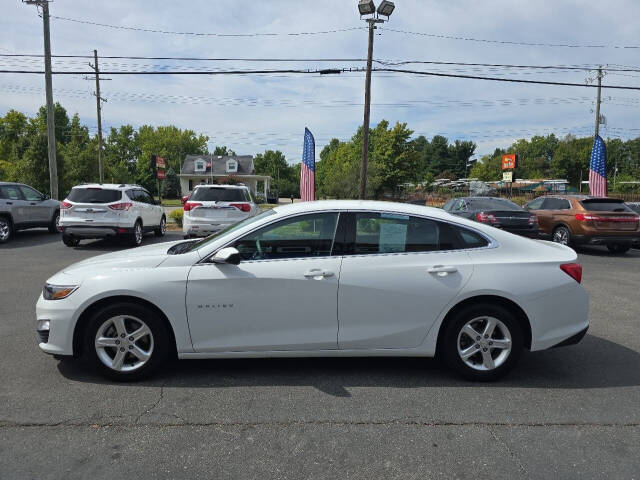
170, 202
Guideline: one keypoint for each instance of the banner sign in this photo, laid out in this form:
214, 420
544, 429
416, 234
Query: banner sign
160, 162
509, 161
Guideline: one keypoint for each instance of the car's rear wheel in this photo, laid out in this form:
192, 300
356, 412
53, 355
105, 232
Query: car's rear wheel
70, 241
562, 235
126, 341
618, 248
482, 342
6, 229
137, 235
162, 228
55, 223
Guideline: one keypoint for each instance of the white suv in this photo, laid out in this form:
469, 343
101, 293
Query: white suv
212, 208
107, 210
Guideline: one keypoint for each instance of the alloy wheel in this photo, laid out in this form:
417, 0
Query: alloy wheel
163, 226
5, 230
561, 236
124, 343
138, 233
484, 343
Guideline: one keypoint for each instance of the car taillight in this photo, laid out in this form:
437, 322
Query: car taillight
574, 270
191, 205
245, 207
486, 218
65, 205
121, 206
586, 217
533, 220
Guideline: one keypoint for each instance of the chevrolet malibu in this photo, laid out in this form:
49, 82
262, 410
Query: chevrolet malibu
335, 278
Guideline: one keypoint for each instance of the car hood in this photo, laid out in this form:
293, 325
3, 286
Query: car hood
136, 258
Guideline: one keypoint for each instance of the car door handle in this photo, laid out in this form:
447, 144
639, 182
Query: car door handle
318, 273
442, 270
9, 203
32, 203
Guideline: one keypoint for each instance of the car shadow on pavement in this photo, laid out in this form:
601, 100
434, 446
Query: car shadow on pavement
31, 238
114, 244
602, 251
594, 363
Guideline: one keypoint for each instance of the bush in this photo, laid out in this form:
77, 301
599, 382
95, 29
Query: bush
176, 216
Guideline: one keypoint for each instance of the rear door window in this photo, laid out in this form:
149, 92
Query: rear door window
600, 205
391, 233
213, 194
144, 197
557, 204
495, 204
10, 192
536, 204
94, 195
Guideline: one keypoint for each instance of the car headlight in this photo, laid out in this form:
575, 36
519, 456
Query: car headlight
57, 292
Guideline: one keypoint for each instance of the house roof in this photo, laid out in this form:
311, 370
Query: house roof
218, 163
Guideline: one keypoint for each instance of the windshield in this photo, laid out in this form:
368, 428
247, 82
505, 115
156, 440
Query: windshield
217, 194
94, 195
237, 226
493, 204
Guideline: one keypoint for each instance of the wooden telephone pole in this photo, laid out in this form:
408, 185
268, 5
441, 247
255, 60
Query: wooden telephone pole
99, 101
597, 132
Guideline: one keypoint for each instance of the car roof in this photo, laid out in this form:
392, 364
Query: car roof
113, 186
219, 186
390, 207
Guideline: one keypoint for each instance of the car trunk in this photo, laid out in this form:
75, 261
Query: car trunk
89, 205
217, 211
511, 218
609, 214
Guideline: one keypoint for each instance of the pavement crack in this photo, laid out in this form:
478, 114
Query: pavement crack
154, 406
510, 452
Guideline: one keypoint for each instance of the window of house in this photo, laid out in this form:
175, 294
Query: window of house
200, 166
232, 166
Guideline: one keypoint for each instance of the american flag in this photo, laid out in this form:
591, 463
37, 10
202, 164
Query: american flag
598, 168
308, 168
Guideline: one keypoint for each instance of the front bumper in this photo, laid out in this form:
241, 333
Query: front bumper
58, 340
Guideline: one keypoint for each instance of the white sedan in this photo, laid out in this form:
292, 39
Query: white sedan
335, 278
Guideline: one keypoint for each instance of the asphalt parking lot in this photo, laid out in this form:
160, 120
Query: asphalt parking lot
565, 413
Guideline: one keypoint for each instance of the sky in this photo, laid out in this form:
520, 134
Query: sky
250, 114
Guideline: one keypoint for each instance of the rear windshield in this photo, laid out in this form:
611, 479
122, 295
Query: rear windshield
493, 204
218, 195
600, 205
94, 195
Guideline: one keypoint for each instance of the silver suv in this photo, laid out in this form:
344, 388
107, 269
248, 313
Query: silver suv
23, 207
109, 210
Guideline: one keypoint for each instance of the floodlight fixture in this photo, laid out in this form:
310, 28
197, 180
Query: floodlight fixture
366, 7
386, 8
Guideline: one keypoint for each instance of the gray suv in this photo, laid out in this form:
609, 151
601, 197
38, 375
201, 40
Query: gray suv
23, 207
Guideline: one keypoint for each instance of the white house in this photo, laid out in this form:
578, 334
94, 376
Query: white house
208, 169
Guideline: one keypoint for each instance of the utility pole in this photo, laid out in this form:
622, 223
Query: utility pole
598, 102
51, 132
99, 101
367, 110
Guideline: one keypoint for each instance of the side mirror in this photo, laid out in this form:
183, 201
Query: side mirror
227, 255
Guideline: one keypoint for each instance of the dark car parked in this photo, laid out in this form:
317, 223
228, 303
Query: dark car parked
497, 212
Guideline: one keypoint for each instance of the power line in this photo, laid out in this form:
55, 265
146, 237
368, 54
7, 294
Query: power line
203, 34
506, 42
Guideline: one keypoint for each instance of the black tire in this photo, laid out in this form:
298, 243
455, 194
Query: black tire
562, 235
70, 241
162, 228
452, 335
618, 248
135, 239
53, 226
160, 341
6, 229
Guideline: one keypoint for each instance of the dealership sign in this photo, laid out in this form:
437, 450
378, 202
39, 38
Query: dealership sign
160, 162
509, 161
160, 174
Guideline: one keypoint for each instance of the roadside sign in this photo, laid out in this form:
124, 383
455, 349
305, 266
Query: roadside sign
509, 161
507, 177
160, 174
160, 162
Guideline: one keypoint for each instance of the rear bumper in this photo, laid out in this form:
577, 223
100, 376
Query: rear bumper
90, 231
206, 227
606, 239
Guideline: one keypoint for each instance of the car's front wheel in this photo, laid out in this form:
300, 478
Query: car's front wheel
54, 226
162, 228
618, 248
482, 342
126, 341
